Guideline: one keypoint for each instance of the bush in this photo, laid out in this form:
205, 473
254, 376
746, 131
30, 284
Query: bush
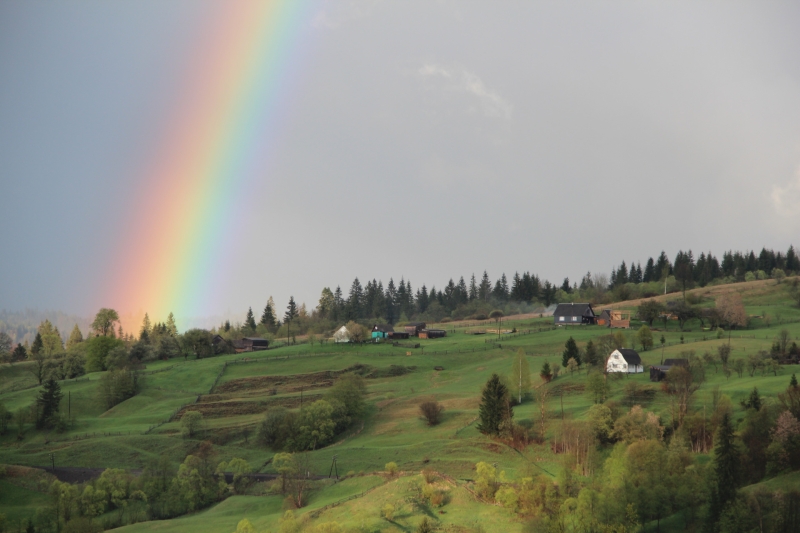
391, 468
431, 411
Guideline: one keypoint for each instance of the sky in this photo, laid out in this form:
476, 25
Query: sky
415, 139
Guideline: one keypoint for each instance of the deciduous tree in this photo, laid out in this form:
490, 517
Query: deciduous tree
520, 378
105, 321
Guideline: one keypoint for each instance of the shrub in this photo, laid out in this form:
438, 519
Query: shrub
425, 526
387, 512
428, 475
431, 411
391, 468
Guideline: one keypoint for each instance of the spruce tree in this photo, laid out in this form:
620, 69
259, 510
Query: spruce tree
268, 316
793, 382
19, 353
494, 406
250, 320
291, 313
48, 402
147, 328
172, 328
37, 345
726, 469
76, 337
570, 352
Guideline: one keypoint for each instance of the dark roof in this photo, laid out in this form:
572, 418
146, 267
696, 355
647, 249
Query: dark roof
631, 356
253, 339
435, 330
606, 314
386, 328
573, 310
676, 362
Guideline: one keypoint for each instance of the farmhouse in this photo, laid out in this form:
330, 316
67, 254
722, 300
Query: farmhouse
567, 314
413, 328
341, 335
251, 344
659, 372
432, 334
625, 360
381, 331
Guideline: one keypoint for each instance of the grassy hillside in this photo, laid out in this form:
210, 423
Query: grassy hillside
233, 392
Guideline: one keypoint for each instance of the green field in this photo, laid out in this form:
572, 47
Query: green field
139, 430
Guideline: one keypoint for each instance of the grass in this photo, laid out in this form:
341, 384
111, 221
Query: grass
393, 430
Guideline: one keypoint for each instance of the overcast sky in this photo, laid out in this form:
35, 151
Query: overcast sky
422, 139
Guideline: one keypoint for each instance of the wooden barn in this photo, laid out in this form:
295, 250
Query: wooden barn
573, 314
397, 335
413, 328
432, 334
625, 360
252, 344
381, 331
659, 372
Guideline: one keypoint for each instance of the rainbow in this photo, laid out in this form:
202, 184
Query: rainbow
217, 145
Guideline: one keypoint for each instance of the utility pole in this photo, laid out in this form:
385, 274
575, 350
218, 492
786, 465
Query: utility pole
334, 467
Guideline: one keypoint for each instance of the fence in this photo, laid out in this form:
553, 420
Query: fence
466, 426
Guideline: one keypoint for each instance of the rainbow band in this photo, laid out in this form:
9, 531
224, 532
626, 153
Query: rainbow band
218, 148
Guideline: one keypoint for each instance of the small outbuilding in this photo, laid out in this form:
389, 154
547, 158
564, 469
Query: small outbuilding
341, 335
625, 360
397, 335
432, 334
252, 344
659, 372
413, 328
573, 314
381, 331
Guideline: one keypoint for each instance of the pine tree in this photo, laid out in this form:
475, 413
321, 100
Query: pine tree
793, 382
250, 320
570, 352
76, 337
520, 378
494, 409
172, 328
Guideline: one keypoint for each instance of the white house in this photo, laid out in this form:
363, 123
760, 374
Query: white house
341, 335
624, 360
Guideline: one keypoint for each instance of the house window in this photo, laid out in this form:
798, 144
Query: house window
561, 319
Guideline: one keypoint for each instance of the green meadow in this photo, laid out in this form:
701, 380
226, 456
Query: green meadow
234, 391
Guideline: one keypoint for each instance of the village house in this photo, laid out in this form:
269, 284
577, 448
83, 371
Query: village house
381, 331
341, 335
573, 314
625, 360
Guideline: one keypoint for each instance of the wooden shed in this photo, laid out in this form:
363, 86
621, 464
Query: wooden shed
396, 335
252, 344
432, 334
413, 328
